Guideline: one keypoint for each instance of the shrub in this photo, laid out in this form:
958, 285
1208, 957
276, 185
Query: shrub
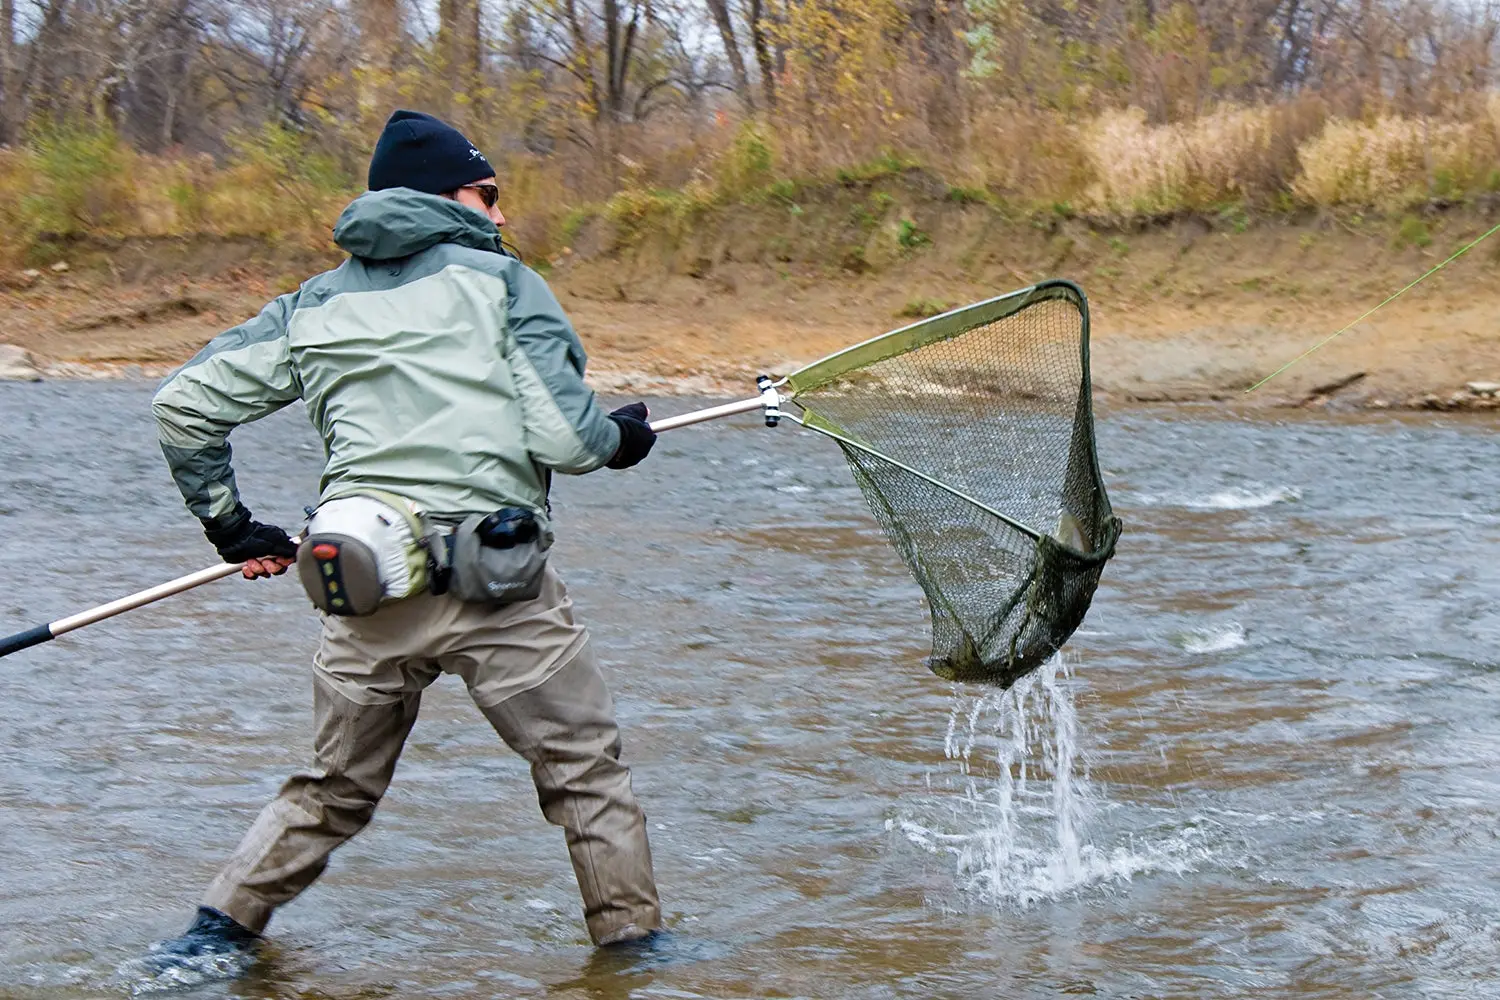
960, 195
634, 212
1031, 158
887, 164
573, 223
277, 186
920, 308
1411, 233
785, 190
909, 237
81, 180
749, 162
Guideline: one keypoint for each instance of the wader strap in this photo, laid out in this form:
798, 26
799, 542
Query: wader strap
437, 541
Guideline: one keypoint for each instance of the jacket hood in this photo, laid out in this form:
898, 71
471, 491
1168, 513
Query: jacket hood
398, 222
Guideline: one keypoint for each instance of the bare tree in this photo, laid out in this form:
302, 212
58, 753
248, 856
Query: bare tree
719, 11
267, 55
595, 84
936, 25
460, 40
758, 15
599, 48
9, 98
380, 32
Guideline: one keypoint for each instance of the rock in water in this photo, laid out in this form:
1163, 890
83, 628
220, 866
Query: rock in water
17, 365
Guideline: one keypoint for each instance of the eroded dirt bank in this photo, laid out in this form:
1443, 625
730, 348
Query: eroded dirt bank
1189, 309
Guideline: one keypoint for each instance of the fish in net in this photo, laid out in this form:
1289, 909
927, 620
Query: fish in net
971, 435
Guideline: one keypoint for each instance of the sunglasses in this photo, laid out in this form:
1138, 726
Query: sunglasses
488, 193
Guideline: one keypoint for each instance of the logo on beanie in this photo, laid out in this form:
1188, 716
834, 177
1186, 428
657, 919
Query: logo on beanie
475, 154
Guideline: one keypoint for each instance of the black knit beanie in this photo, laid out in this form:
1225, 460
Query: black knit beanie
421, 152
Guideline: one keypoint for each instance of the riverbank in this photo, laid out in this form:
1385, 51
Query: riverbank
1192, 308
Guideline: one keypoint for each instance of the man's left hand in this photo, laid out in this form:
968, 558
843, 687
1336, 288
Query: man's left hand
636, 436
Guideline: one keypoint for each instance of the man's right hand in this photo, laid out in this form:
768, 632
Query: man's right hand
259, 569
264, 548
636, 436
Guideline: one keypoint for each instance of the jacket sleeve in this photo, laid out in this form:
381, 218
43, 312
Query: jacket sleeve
242, 375
566, 429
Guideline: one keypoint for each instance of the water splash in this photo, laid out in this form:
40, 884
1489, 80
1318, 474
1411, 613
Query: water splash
1238, 498
1024, 802
1212, 638
1251, 497
1244, 498
156, 973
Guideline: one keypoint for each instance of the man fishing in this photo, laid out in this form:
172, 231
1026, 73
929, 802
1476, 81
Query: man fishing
447, 385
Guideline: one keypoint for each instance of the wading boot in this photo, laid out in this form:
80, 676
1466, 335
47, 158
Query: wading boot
215, 946
631, 936
633, 950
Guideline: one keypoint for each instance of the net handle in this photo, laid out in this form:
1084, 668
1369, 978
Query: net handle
769, 401
705, 415
48, 631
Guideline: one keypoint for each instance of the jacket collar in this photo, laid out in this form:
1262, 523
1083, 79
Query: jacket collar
398, 222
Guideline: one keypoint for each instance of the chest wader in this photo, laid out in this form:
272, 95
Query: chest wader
510, 636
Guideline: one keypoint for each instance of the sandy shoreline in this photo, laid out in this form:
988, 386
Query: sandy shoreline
1474, 397
1180, 313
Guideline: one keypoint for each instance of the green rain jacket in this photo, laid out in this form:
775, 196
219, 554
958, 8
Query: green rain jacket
433, 365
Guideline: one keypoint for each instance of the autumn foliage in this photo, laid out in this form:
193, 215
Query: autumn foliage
255, 119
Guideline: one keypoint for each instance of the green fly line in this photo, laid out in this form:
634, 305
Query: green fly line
1353, 323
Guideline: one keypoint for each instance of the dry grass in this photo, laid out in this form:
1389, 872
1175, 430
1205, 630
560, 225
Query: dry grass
1392, 162
1027, 156
1229, 155
85, 182
1114, 164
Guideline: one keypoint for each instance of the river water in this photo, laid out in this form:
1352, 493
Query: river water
1267, 763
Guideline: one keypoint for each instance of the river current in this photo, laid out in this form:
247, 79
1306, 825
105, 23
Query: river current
1267, 763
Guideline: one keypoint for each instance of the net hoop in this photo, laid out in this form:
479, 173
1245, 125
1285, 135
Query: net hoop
933, 330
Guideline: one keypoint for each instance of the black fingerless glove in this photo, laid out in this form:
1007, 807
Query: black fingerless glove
238, 538
636, 436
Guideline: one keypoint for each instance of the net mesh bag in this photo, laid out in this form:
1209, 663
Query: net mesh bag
971, 435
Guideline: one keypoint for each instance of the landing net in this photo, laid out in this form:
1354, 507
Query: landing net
971, 435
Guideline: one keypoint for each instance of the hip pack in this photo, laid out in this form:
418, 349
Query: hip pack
499, 558
366, 549
362, 550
